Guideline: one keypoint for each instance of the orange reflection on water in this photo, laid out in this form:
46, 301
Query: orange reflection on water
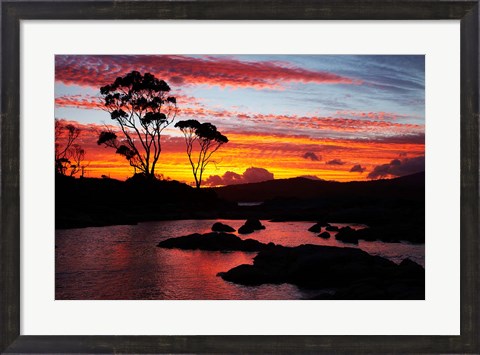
200, 265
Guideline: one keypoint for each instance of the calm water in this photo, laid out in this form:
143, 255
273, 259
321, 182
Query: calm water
123, 262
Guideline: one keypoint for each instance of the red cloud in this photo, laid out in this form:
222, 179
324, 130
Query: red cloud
317, 123
317, 126
99, 70
94, 102
79, 101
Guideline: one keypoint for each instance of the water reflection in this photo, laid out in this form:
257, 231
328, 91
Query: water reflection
123, 262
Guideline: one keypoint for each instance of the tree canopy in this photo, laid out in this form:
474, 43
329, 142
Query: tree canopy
208, 139
69, 155
142, 108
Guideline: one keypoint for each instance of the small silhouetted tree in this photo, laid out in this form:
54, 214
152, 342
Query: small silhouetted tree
69, 155
142, 108
208, 140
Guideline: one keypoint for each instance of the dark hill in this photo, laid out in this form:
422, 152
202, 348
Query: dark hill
100, 202
393, 208
411, 186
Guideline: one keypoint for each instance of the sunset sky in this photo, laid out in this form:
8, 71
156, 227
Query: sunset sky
331, 117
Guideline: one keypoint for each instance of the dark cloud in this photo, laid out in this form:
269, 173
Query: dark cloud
335, 162
312, 156
230, 178
357, 169
413, 138
398, 168
177, 80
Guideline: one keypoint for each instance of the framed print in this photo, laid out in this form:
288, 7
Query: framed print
239, 177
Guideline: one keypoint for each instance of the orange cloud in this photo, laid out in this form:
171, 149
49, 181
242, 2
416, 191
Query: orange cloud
280, 154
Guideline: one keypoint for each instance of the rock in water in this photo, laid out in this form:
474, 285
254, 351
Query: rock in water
347, 235
317, 227
253, 223
214, 241
220, 227
250, 226
332, 228
245, 230
324, 235
353, 273
246, 275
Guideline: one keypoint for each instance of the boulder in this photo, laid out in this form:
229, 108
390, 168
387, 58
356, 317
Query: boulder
246, 275
317, 227
332, 228
214, 241
324, 235
347, 235
350, 272
250, 226
254, 224
220, 227
245, 230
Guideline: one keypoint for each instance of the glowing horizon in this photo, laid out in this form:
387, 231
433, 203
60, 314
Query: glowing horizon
343, 118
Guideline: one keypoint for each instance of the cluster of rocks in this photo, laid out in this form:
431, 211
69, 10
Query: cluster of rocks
351, 272
317, 228
385, 234
408, 283
354, 273
391, 233
251, 225
220, 239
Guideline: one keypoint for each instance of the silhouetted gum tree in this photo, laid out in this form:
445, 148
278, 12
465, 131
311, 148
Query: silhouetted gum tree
109, 139
208, 139
68, 154
141, 106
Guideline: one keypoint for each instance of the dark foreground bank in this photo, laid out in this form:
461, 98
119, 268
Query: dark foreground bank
393, 209
347, 273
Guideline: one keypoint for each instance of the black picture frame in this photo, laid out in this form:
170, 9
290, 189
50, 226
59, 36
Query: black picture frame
13, 12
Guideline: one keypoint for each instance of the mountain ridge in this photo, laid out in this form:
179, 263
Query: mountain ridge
408, 186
